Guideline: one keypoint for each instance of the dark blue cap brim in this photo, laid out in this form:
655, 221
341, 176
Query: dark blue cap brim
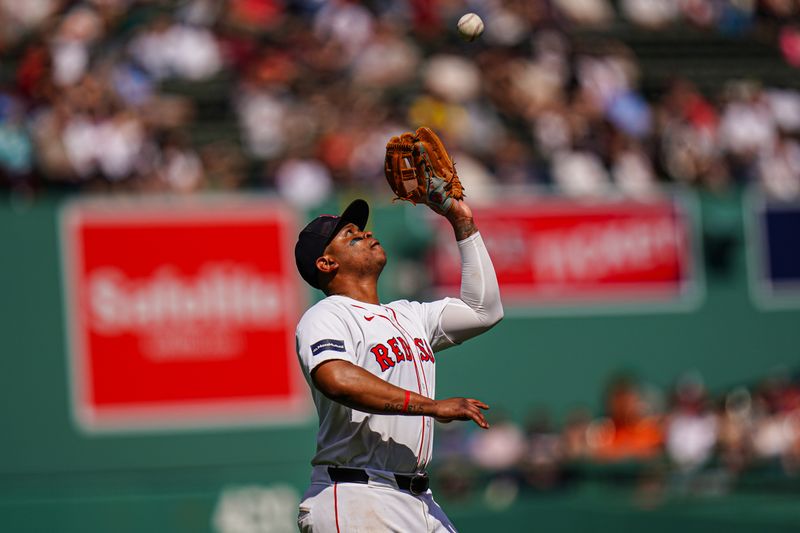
357, 213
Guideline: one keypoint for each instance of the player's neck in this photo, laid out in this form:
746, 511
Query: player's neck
363, 292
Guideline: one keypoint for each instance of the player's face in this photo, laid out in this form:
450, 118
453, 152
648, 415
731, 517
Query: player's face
357, 250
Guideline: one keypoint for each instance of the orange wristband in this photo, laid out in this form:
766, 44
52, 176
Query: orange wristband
405, 404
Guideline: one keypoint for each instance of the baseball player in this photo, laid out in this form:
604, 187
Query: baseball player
371, 368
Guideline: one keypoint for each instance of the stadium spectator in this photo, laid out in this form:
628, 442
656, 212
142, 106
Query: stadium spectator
16, 148
541, 463
499, 449
628, 432
691, 427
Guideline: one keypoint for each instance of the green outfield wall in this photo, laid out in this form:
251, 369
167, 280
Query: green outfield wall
56, 478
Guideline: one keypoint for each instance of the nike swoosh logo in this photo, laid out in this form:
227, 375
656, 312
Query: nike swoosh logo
368, 318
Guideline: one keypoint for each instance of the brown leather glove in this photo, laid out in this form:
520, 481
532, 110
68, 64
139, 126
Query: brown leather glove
419, 170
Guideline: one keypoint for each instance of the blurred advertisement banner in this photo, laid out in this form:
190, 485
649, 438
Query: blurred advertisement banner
182, 314
559, 252
773, 251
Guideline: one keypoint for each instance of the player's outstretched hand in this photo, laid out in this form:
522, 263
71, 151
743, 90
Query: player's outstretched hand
461, 409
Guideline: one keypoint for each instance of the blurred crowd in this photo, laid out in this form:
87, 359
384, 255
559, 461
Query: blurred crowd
680, 442
140, 95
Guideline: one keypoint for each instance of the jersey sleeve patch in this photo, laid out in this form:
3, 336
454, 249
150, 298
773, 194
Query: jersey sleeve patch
332, 345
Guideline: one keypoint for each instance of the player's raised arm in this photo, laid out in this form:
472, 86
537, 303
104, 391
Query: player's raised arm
479, 307
350, 385
419, 170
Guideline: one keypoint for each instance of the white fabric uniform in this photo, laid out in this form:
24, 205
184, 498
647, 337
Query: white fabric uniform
374, 508
396, 342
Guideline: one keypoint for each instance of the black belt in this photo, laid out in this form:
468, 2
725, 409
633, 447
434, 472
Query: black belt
414, 483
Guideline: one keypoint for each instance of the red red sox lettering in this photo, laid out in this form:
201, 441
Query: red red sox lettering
399, 348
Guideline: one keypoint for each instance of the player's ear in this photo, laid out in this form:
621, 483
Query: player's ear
327, 264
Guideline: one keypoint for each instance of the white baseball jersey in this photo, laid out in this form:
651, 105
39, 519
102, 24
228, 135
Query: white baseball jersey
396, 342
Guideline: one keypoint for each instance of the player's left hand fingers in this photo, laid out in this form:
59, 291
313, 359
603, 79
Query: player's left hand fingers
479, 403
478, 418
474, 413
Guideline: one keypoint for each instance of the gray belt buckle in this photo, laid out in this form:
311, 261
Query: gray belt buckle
419, 484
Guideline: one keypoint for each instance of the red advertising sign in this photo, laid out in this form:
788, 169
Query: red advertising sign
182, 314
556, 251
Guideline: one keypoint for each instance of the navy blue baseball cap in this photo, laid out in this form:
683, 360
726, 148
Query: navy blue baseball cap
316, 236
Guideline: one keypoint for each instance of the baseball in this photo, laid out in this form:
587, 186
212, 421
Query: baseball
470, 27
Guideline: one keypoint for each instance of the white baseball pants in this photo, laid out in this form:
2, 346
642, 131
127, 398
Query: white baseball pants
378, 506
